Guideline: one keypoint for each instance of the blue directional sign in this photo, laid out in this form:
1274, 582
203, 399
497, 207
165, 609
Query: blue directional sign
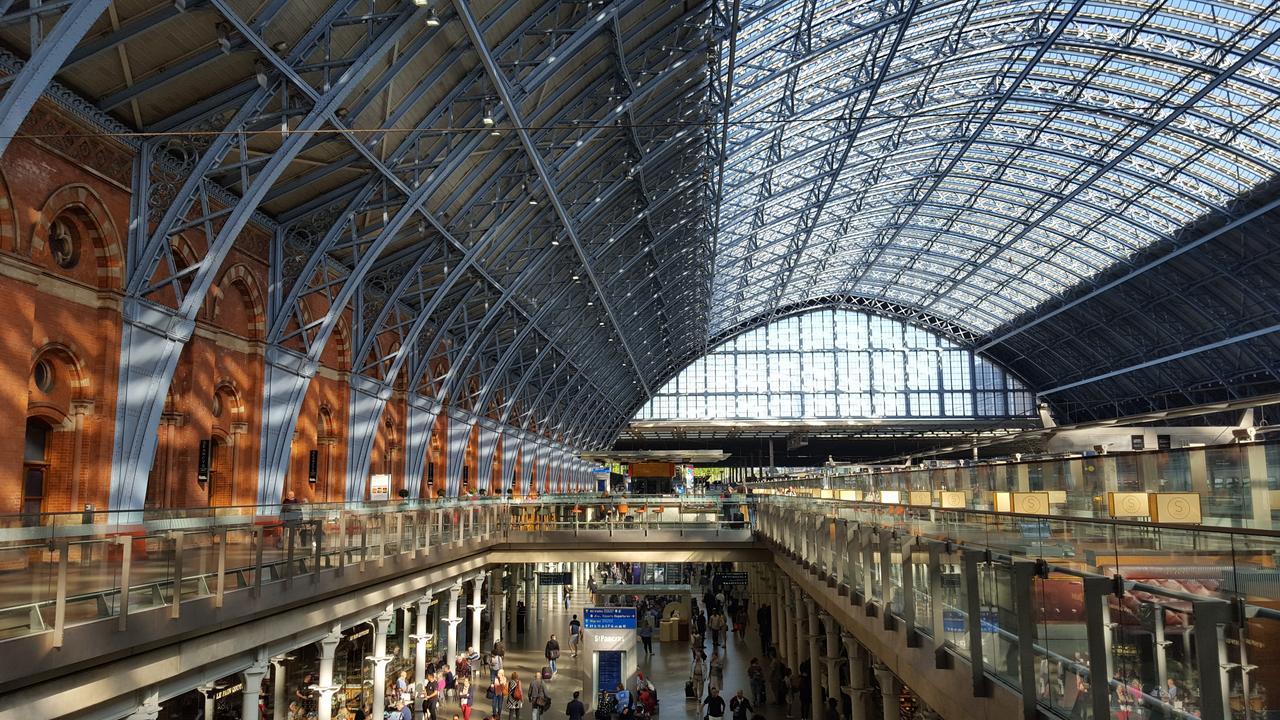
610, 618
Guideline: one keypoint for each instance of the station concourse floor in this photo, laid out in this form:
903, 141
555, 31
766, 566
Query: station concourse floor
668, 668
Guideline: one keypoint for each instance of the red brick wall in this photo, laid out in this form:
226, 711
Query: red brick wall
71, 318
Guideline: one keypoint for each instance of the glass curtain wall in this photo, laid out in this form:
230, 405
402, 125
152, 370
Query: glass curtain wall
839, 364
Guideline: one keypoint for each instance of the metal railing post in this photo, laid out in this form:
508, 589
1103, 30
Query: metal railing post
60, 602
175, 607
221, 587
259, 537
1097, 622
1211, 617
973, 608
126, 569
1024, 573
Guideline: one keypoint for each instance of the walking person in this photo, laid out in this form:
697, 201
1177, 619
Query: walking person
740, 706
575, 635
465, 697
552, 653
716, 666
755, 676
645, 631
539, 700
498, 691
716, 626
515, 696
575, 709
715, 705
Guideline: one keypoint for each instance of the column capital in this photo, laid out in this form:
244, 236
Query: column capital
326, 691
149, 709
383, 620
329, 644
379, 661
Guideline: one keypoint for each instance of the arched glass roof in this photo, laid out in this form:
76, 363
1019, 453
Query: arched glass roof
975, 159
540, 211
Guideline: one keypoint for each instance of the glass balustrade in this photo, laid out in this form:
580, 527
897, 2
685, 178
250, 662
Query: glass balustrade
1077, 612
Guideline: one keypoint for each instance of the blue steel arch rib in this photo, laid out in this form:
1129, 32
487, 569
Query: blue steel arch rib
406, 345
48, 51
154, 334
349, 283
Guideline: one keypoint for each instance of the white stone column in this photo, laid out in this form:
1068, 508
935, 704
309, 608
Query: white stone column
207, 691
781, 613
451, 652
382, 624
816, 697
325, 687
833, 654
149, 708
498, 604
279, 707
420, 638
513, 594
857, 678
404, 633
799, 625
888, 693
253, 686
535, 619
477, 608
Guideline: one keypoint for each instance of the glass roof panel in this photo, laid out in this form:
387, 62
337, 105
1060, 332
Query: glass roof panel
981, 152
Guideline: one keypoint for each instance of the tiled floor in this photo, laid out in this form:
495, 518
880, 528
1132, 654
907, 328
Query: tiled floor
668, 669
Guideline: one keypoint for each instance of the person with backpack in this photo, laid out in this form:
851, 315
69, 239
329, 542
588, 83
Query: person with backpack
552, 653
575, 634
622, 697
495, 667
575, 709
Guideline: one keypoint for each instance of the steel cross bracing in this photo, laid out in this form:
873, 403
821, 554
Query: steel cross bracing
500, 85
421, 317
164, 291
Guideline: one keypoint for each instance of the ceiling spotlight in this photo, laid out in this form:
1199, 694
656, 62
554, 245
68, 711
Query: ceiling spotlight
488, 115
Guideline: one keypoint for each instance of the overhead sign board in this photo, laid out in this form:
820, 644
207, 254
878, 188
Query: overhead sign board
609, 618
555, 578
735, 579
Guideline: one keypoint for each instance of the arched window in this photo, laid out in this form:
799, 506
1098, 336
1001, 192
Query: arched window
839, 364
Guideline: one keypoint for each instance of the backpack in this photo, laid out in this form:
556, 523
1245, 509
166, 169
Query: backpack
516, 692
